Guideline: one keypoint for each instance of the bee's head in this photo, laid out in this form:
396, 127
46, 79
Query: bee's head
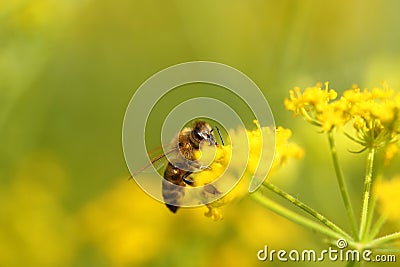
202, 131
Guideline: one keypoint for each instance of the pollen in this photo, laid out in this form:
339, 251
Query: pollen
238, 162
374, 114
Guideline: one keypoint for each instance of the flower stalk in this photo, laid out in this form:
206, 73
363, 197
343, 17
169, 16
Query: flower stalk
367, 192
385, 239
307, 209
295, 217
377, 227
374, 116
342, 185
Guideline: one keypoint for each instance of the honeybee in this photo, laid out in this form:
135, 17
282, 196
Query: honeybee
178, 172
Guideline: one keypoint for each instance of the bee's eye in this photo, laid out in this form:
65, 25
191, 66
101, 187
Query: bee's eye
198, 135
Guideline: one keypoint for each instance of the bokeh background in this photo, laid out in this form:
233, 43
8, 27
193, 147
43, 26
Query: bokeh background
68, 69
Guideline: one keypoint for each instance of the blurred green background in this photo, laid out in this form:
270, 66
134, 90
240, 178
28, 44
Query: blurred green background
68, 69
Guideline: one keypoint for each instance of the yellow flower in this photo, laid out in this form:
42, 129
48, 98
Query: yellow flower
375, 113
387, 192
313, 97
382, 93
316, 105
333, 115
354, 95
295, 102
375, 104
242, 160
317, 97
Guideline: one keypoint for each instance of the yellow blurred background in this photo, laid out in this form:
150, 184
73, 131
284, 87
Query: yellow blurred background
68, 69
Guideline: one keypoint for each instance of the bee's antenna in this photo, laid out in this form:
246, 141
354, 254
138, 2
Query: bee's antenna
220, 136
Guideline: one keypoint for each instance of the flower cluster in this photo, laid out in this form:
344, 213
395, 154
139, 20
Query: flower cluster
316, 106
229, 160
371, 118
375, 114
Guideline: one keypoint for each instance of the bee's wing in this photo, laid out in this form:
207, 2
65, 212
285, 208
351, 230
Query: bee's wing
158, 161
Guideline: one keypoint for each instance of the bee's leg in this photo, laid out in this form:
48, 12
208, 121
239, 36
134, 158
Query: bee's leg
192, 167
195, 166
206, 168
213, 213
187, 179
172, 195
212, 190
210, 193
172, 207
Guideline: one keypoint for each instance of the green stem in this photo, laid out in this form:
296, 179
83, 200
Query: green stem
367, 192
385, 239
371, 208
290, 215
351, 264
307, 209
377, 227
342, 186
308, 118
371, 233
372, 204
